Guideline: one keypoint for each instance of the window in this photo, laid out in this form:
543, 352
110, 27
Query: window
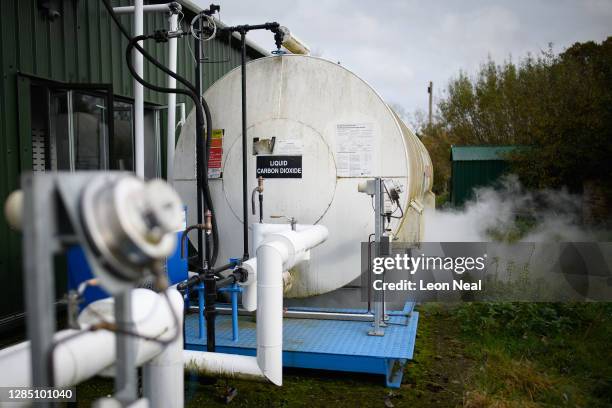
152, 148
78, 131
123, 141
83, 127
122, 147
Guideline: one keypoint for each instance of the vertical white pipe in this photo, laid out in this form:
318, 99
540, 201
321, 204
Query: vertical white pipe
138, 92
270, 311
172, 59
163, 376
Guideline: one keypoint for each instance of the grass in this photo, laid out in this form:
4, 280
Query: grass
538, 355
472, 355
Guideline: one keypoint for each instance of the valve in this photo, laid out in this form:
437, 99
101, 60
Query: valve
259, 189
291, 220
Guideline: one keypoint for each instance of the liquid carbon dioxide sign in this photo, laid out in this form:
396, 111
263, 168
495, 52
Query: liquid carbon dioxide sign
279, 166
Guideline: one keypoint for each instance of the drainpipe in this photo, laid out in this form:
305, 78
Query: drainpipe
277, 253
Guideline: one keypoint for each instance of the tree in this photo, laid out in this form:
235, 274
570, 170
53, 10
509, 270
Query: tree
559, 107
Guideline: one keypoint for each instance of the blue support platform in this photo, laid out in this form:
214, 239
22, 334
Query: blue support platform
337, 345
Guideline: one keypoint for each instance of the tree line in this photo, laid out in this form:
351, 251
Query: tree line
556, 107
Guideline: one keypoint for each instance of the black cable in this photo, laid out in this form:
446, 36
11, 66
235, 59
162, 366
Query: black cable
202, 157
148, 56
200, 103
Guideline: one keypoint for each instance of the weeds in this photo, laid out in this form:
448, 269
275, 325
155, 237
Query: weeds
538, 354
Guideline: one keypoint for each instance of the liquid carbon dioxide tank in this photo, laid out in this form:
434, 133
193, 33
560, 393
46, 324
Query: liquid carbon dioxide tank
315, 131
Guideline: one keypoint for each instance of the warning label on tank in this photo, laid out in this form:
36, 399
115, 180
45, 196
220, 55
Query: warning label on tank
279, 166
354, 149
216, 154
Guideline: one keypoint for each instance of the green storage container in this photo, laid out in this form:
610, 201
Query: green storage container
476, 166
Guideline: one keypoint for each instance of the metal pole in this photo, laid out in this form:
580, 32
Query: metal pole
172, 58
126, 376
126, 379
430, 92
245, 212
300, 314
38, 272
210, 291
146, 8
138, 92
200, 153
378, 232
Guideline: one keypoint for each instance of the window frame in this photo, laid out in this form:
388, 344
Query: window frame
25, 82
24, 87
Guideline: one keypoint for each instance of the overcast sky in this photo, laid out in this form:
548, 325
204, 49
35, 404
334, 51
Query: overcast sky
398, 46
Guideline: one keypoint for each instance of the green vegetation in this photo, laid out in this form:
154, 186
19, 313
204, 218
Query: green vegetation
557, 105
538, 355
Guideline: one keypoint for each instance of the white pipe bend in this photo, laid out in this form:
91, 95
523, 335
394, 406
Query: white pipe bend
276, 253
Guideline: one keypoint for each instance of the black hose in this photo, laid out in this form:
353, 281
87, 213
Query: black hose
223, 282
202, 182
196, 279
184, 236
199, 102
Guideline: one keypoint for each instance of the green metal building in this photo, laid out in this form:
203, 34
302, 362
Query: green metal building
476, 166
64, 72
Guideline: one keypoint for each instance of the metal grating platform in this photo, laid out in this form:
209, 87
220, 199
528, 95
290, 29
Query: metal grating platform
324, 344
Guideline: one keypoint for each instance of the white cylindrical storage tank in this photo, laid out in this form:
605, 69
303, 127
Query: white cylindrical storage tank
318, 130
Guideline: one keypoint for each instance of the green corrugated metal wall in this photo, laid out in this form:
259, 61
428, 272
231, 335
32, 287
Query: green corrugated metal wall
467, 175
83, 45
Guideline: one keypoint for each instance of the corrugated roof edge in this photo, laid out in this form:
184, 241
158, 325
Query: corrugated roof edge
193, 7
483, 152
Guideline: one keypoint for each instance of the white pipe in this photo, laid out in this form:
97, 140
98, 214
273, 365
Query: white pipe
293, 44
276, 253
249, 288
259, 233
172, 58
228, 365
84, 356
146, 8
270, 259
163, 376
138, 92
298, 243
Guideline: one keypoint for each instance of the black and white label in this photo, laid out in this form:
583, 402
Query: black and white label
279, 166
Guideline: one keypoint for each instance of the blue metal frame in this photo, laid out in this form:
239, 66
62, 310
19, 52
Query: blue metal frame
326, 344
234, 290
